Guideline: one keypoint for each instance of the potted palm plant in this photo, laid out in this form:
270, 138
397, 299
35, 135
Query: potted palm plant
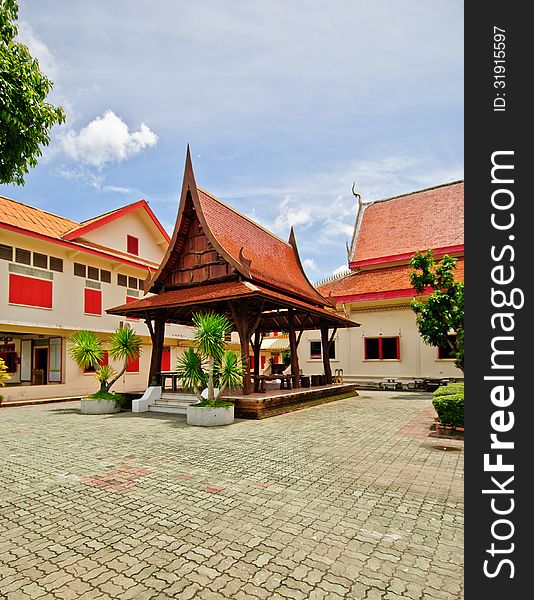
211, 368
87, 351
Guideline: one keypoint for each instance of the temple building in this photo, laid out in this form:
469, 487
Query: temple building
377, 292
58, 276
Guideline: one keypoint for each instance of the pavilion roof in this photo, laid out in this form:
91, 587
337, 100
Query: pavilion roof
179, 305
256, 254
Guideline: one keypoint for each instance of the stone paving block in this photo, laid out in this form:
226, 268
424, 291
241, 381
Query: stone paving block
344, 500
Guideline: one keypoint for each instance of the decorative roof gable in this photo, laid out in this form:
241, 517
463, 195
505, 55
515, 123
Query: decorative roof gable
229, 246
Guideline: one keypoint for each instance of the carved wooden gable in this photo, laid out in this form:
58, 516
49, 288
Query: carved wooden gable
196, 261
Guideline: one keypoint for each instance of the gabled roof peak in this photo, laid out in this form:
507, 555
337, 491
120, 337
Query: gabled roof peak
254, 252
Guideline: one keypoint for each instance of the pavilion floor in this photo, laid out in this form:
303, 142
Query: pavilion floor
275, 401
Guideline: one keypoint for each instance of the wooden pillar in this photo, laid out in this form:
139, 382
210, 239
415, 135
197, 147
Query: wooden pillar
256, 346
157, 335
246, 318
295, 369
326, 352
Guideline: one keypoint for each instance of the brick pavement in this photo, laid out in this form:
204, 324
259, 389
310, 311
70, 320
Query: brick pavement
344, 500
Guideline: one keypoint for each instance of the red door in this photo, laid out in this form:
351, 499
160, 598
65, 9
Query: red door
166, 359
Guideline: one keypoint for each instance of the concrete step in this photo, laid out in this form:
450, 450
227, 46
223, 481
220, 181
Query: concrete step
179, 409
173, 403
176, 397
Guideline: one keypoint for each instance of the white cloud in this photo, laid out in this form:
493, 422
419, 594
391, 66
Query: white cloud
117, 189
105, 140
38, 49
309, 264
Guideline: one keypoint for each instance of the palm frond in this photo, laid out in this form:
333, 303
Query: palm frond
125, 344
105, 373
229, 372
210, 329
87, 350
189, 369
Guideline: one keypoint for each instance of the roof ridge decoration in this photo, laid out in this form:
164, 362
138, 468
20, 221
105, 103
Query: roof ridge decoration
427, 189
189, 190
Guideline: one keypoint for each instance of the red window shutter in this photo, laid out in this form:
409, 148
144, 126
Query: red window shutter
133, 366
132, 244
251, 361
30, 291
262, 362
166, 359
92, 301
398, 348
104, 362
128, 300
105, 359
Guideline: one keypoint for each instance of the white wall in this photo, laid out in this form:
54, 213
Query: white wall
67, 316
114, 235
416, 358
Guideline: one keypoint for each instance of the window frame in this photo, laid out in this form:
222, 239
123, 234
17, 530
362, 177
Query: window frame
380, 347
132, 239
87, 292
439, 350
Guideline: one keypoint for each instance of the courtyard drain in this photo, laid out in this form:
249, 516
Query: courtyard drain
444, 448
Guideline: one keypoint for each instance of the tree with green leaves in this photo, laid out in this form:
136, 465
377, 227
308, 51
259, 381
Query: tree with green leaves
209, 365
87, 351
26, 119
442, 312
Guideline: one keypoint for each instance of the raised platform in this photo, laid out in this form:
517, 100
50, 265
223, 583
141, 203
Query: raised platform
274, 401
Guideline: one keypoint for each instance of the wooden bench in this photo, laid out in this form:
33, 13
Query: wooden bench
286, 381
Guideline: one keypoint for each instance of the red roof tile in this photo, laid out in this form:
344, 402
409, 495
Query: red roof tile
254, 253
274, 261
430, 218
18, 216
33, 219
377, 281
190, 297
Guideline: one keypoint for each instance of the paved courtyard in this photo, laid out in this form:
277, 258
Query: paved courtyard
346, 500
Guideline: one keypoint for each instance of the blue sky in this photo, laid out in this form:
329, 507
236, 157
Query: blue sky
284, 105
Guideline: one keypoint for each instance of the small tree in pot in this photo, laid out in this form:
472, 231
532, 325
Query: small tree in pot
88, 351
211, 367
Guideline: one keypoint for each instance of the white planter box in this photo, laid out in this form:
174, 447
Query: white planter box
92, 406
206, 416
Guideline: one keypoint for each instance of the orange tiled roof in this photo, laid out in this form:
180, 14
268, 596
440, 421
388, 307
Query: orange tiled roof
254, 253
430, 218
274, 261
378, 281
187, 297
33, 219
41, 222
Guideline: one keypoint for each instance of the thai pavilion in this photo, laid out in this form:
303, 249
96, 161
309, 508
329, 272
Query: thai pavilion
220, 260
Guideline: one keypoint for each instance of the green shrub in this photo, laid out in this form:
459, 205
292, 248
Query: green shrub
451, 388
213, 404
103, 395
450, 409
